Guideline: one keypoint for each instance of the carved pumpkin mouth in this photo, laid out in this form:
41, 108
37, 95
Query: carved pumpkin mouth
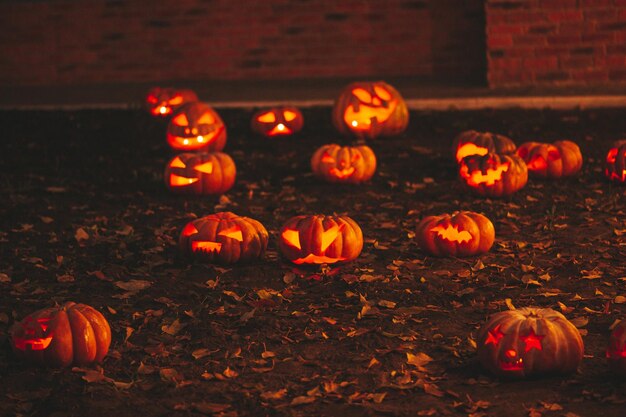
490, 177
317, 259
195, 138
179, 181
517, 365
206, 246
468, 149
162, 110
31, 328
451, 233
365, 116
280, 129
341, 173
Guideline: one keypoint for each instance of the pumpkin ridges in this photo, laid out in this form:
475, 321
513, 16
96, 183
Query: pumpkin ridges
101, 328
343, 158
83, 337
464, 222
478, 226
568, 163
493, 142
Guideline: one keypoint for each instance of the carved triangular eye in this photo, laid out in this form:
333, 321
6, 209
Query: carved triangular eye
206, 119
362, 95
292, 238
327, 158
206, 168
233, 233
382, 93
181, 120
329, 236
152, 99
177, 163
176, 100
268, 117
189, 230
289, 115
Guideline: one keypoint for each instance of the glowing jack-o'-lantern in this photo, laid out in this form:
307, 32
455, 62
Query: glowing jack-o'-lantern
615, 163
559, 159
223, 238
370, 109
493, 175
463, 233
277, 121
164, 101
472, 142
200, 173
529, 341
61, 336
196, 127
351, 164
616, 351
320, 239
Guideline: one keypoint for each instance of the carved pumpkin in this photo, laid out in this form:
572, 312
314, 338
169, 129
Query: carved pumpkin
164, 101
318, 239
461, 234
369, 110
223, 238
559, 159
616, 351
529, 341
196, 127
72, 334
277, 121
615, 164
472, 142
351, 164
493, 175
200, 173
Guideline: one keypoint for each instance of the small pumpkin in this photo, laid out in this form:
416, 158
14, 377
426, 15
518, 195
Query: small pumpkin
349, 164
196, 127
493, 175
615, 163
463, 233
370, 109
319, 239
164, 101
277, 121
616, 351
71, 334
472, 142
559, 159
200, 173
223, 238
529, 341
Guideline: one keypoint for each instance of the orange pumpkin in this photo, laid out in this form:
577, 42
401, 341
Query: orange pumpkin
369, 110
223, 238
463, 233
196, 127
164, 101
350, 164
616, 351
472, 142
72, 334
277, 121
318, 239
200, 173
493, 175
559, 159
615, 163
529, 341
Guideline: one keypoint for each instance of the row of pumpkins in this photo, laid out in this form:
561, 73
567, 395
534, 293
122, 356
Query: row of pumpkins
516, 343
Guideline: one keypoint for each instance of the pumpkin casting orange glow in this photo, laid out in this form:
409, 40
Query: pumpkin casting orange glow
164, 101
196, 127
278, 121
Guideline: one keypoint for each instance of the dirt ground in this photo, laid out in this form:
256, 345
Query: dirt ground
85, 217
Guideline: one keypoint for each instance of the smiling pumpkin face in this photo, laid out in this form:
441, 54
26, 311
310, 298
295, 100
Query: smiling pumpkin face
348, 164
164, 101
278, 121
615, 163
472, 142
223, 238
493, 175
200, 173
196, 127
551, 160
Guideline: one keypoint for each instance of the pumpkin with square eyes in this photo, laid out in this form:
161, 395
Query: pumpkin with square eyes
369, 110
463, 233
616, 351
493, 175
164, 101
615, 163
320, 239
277, 121
349, 164
72, 334
223, 238
200, 173
529, 341
472, 142
196, 127
559, 159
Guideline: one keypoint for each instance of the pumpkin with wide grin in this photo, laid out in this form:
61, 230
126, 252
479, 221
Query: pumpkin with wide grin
196, 127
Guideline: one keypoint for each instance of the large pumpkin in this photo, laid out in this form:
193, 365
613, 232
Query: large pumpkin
493, 175
318, 239
529, 341
223, 238
351, 164
559, 159
72, 334
463, 233
615, 163
472, 142
370, 109
200, 173
616, 351
164, 101
277, 121
196, 127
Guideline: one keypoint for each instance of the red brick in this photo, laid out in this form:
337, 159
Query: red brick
499, 41
566, 16
546, 63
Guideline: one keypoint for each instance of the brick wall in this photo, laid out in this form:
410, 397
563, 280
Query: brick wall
113, 41
556, 42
